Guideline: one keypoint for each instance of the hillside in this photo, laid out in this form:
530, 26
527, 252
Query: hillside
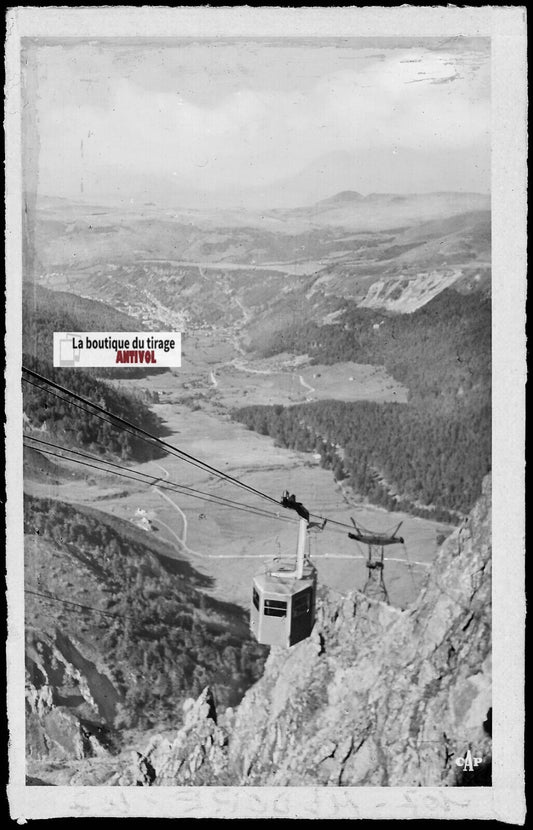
119, 633
375, 697
396, 455
428, 456
436, 351
40, 468
45, 311
57, 417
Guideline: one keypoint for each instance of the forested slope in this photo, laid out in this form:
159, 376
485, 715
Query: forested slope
164, 639
441, 351
59, 417
397, 455
428, 456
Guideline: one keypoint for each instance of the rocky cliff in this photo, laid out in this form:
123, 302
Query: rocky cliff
69, 701
376, 696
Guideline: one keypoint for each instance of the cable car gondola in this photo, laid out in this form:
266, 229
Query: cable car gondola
283, 599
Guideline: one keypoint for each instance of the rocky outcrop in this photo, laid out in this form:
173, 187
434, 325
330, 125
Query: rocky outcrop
69, 703
198, 755
405, 294
376, 696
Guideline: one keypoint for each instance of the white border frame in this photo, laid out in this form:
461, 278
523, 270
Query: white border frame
506, 26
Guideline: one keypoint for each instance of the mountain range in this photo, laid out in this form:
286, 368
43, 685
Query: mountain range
380, 250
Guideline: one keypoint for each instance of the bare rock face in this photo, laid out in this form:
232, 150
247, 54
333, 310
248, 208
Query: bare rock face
67, 701
376, 696
198, 755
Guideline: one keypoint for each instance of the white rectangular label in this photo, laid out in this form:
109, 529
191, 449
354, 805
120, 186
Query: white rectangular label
95, 349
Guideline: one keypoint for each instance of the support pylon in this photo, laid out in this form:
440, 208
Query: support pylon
375, 542
375, 584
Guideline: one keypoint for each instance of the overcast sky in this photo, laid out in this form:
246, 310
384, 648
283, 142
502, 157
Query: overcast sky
251, 121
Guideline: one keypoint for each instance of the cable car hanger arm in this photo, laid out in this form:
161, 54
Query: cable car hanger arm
290, 502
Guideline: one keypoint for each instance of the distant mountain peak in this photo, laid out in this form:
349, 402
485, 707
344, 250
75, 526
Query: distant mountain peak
345, 197
342, 197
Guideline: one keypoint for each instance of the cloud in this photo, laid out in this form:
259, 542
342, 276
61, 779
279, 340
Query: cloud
246, 114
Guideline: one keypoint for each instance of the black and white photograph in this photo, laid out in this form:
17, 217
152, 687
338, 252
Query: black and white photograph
260, 280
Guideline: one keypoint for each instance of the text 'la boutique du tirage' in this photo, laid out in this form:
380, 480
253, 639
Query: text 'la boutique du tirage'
136, 343
99, 349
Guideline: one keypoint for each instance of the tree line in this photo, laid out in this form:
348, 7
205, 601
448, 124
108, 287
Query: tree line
396, 455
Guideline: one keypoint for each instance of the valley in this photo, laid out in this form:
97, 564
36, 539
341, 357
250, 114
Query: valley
318, 344
234, 282
221, 542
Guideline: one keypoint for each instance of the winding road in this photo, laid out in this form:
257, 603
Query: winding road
306, 386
